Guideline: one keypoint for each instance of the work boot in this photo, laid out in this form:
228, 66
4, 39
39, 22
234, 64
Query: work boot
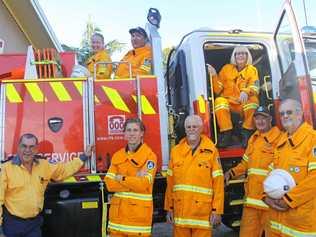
245, 135
224, 139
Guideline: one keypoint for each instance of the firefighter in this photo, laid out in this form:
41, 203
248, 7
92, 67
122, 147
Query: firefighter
237, 88
131, 177
139, 57
255, 163
294, 213
99, 55
195, 184
24, 179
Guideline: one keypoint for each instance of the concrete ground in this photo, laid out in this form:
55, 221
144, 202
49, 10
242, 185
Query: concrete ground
165, 230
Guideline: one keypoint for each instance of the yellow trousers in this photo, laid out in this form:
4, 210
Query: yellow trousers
191, 232
253, 222
224, 107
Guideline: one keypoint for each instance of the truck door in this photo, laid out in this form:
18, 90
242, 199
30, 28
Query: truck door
51, 109
295, 79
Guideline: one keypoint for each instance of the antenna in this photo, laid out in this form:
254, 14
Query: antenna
305, 12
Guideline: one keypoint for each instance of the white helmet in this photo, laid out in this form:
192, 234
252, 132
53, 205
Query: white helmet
278, 183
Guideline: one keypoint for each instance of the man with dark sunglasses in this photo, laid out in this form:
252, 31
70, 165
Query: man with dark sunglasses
293, 214
23, 181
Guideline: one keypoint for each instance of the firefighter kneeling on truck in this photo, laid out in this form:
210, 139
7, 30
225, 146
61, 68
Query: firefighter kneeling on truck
195, 183
237, 88
255, 163
139, 57
131, 177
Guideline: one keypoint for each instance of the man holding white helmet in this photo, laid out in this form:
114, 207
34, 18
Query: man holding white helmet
255, 163
294, 213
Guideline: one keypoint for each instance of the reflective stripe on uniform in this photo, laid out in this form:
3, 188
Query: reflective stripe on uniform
290, 231
145, 68
220, 84
255, 88
311, 166
250, 106
194, 222
245, 158
217, 173
255, 202
271, 167
149, 177
110, 175
192, 188
169, 172
257, 171
221, 106
129, 228
132, 195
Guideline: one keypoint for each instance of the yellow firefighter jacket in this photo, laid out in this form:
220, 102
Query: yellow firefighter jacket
131, 206
297, 155
230, 82
22, 192
195, 184
103, 71
140, 59
255, 163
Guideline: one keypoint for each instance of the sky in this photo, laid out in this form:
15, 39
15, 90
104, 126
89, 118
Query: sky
69, 17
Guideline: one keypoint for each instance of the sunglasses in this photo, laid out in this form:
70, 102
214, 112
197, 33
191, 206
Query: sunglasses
241, 53
287, 112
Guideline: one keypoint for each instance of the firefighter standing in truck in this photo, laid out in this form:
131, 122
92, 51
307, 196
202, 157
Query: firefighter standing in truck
139, 57
294, 213
131, 177
99, 55
195, 184
237, 88
24, 179
255, 163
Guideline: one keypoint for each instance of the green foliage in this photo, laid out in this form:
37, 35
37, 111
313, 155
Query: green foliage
85, 50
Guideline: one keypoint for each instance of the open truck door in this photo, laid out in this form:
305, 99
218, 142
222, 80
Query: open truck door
295, 78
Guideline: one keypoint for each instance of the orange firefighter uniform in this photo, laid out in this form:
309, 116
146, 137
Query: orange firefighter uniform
140, 60
255, 163
228, 85
103, 71
297, 155
131, 206
195, 187
22, 192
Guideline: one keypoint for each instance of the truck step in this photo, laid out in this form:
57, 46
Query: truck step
236, 202
236, 223
236, 181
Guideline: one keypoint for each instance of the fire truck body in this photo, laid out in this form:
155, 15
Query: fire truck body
283, 68
68, 113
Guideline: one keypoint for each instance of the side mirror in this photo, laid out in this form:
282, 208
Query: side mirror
154, 17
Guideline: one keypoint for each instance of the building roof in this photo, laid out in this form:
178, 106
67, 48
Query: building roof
30, 18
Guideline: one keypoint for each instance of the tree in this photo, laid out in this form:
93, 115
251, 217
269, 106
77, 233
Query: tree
85, 50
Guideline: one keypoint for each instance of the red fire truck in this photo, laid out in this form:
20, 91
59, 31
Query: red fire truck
68, 113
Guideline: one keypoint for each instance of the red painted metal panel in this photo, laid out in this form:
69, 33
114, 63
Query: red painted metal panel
109, 119
30, 116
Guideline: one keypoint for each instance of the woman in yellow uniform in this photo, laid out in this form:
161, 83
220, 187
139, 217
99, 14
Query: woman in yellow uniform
237, 88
